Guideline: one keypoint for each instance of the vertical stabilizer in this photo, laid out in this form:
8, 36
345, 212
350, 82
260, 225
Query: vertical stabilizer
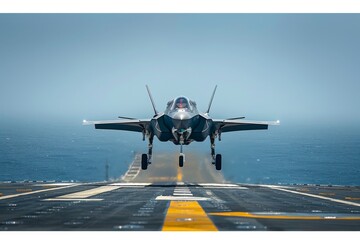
212, 97
151, 99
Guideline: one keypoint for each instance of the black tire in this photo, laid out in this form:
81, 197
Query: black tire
144, 161
181, 161
218, 162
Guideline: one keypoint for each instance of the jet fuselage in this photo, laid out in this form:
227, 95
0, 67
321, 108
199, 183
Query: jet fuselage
181, 123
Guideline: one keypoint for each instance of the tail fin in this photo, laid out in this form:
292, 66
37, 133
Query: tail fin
151, 99
212, 97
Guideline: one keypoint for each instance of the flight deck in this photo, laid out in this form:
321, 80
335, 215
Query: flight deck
168, 198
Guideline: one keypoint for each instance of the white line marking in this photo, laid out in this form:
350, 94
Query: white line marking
174, 198
88, 193
313, 195
183, 194
38, 191
130, 184
209, 193
75, 199
133, 170
221, 185
218, 185
53, 184
241, 188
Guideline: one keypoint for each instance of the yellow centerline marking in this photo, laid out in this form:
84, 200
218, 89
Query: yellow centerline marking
187, 216
179, 176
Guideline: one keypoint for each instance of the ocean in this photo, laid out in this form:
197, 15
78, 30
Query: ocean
283, 154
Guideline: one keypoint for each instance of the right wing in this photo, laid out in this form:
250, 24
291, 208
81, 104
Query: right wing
228, 125
134, 125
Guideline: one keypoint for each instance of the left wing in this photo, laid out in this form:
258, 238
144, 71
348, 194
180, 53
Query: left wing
228, 125
134, 125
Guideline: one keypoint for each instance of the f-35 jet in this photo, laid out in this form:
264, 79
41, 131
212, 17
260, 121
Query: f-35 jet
181, 123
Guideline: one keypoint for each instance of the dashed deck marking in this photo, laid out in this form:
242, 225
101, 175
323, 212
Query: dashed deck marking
287, 216
22, 190
353, 198
182, 194
181, 198
187, 216
182, 191
327, 194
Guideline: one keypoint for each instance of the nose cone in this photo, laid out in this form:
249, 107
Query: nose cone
181, 115
181, 119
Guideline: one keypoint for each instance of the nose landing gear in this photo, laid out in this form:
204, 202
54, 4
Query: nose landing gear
181, 157
181, 160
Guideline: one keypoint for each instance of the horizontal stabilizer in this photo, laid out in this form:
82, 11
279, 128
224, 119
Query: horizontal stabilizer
225, 125
235, 118
129, 118
134, 125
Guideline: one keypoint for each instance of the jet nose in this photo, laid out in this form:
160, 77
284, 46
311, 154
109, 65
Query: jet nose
180, 120
181, 116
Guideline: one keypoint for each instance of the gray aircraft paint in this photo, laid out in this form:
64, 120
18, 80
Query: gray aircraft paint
181, 123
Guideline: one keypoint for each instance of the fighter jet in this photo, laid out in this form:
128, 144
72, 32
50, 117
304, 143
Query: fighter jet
181, 123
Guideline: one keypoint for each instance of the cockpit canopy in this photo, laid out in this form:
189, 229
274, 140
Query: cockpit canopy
181, 102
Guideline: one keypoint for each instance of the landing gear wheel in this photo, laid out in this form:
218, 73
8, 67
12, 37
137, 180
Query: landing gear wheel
144, 161
218, 162
181, 161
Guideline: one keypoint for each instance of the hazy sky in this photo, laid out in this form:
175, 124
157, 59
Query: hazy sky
292, 67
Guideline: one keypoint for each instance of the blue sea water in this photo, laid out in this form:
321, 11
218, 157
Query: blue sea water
294, 155
283, 154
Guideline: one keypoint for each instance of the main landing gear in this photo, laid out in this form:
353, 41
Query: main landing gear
217, 159
144, 161
146, 158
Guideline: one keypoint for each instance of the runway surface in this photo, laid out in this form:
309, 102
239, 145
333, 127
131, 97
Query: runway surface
168, 198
